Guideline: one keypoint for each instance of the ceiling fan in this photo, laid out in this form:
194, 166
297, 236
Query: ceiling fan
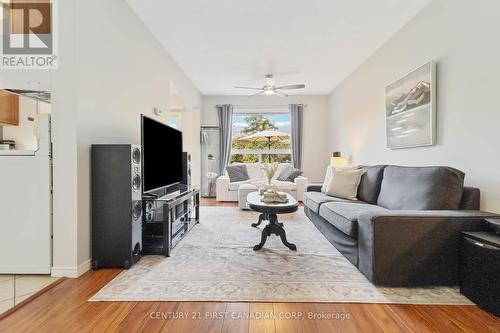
270, 88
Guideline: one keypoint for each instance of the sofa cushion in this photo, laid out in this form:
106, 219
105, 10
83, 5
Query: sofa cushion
234, 186
255, 171
281, 185
369, 186
313, 200
421, 188
258, 182
344, 215
471, 199
237, 173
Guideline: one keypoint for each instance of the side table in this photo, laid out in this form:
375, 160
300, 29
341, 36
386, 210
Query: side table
480, 269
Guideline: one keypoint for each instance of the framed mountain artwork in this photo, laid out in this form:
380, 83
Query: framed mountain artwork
410, 106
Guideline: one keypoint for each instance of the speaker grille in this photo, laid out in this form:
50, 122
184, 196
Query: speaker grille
136, 155
136, 182
137, 210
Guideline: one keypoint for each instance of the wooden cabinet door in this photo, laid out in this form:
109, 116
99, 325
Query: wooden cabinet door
9, 109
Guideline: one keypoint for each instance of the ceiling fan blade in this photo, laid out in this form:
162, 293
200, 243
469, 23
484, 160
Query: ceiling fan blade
253, 88
259, 93
292, 86
280, 93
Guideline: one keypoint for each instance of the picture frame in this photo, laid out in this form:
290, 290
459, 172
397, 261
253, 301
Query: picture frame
410, 106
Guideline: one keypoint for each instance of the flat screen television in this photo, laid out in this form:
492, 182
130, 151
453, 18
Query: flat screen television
161, 155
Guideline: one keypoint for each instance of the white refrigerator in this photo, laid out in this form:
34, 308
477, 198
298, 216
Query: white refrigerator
26, 206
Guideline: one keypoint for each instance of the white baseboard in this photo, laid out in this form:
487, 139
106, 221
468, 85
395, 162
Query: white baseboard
71, 271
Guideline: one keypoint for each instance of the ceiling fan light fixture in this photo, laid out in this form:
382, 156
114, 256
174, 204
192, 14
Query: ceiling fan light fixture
270, 89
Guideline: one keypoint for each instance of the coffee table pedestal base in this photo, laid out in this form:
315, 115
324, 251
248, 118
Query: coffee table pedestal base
274, 227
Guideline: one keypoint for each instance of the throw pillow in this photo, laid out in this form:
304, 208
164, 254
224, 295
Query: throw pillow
344, 183
237, 173
328, 178
329, 174
289, 174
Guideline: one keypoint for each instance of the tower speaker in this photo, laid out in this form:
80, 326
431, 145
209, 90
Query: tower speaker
116, 205
186, 168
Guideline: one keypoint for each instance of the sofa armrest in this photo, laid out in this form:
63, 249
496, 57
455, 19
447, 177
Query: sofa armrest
222, 188
314, 187
300, 185
411, 248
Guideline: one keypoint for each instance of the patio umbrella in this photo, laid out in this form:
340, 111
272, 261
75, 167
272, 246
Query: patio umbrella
267, 135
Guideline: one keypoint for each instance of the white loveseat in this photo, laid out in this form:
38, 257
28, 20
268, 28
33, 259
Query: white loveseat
227, 191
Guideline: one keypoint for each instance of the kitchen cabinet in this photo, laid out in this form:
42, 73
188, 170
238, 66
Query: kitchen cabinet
9, 109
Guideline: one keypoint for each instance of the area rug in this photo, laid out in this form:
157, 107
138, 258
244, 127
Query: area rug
216, 262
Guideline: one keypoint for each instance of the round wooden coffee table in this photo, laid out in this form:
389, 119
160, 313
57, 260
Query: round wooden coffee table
269, 212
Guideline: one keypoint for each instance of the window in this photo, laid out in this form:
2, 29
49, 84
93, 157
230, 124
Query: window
261, 137
173, 121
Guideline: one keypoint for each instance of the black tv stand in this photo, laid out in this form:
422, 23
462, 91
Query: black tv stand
168, 218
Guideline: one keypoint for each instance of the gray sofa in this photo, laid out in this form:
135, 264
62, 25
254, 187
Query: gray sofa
404, 229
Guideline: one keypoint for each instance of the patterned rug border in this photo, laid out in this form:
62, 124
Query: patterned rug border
278, 301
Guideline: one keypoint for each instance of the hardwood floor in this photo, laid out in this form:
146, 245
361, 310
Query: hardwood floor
65, 308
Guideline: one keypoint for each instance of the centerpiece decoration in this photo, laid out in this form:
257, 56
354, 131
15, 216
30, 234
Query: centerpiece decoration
270, 170
268, 192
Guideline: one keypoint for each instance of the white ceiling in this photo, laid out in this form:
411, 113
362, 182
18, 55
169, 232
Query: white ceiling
223, 43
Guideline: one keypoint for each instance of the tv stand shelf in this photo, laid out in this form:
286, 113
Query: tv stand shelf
168, 218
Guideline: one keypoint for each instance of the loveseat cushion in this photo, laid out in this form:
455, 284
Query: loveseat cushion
284, 186
280, 186
234, 186
344, 215
255, 171
421, 188
313, 200
371, 181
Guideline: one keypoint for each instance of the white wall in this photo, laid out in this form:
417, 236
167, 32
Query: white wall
462, 37
25, 79
315, 142
64, 139
122, 71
